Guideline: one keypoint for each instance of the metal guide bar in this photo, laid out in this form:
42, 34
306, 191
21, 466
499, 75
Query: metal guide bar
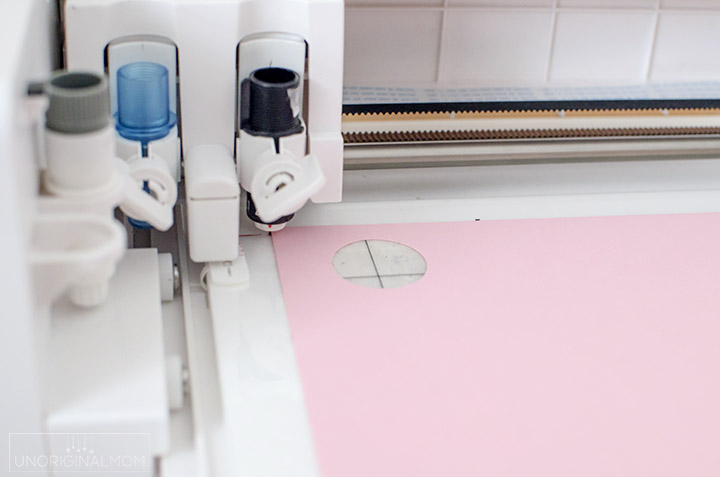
365, 124
420, 116
485, 135
619, 105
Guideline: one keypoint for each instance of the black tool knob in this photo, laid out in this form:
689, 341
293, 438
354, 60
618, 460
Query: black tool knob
271, 103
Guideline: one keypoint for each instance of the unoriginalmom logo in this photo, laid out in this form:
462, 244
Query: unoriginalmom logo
69, 452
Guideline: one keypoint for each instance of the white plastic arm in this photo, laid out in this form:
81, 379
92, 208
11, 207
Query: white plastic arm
283, 184
155, 209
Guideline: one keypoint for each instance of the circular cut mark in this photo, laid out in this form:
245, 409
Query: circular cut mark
379, 264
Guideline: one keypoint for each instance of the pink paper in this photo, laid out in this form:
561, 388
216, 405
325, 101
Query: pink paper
531, 348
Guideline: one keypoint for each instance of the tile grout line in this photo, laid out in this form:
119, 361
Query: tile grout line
553, 35
653, 44
374, 265
441, 43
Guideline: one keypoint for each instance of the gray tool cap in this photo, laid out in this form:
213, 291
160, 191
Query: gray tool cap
79, 102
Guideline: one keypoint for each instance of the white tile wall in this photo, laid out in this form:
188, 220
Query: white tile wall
354, 260
396, 259
381, 43
686, 48
530, 42
495, 46
602, 46
691, 4
611, 4
379, 264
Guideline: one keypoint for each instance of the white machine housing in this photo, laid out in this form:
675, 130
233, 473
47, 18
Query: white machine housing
211, 47
207, 35
128, 365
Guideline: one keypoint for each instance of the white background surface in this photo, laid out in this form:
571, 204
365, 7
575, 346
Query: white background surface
404, 42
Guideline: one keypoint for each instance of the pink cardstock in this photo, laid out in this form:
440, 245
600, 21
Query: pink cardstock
582, 347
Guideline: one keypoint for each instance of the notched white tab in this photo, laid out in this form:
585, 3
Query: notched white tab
230, 273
